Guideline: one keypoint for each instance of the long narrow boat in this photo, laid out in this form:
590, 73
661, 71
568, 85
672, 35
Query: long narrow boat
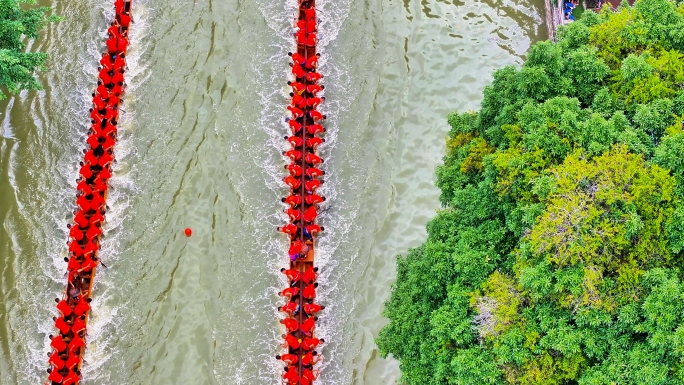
306, 51
68, 347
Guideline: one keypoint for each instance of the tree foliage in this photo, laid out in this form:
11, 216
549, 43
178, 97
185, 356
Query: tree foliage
555, 259
17, 23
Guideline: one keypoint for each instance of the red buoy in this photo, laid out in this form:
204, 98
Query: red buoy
188, 232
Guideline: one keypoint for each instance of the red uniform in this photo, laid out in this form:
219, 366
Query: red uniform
313, 199
310, 14
117, 78
119, 62
78, 326
88, 264
298, 71
289, 229
295, 141
111, 114
79, 218
72, 361
313, 229
292, 341
116, 90
313, 76
290, 324
62, 326
291, 376
106, 78
86, 171
311, 39
82, 307
294, 200
289, 359
90, 248
73, 264
55, 377
310, 214
93, 140
97, 202
290, 307
296, 112
309, 292
294, 169
297, 87
294, 155
314, 88
90, 158
295, 247
75, 248
313, 159
311, 62
313, 102
56, 362
105, 173
105, 159
294, 215
107, 63
309, 276
292, 274
289, 292
83, 203
293, 182
311, 308
307, 377
124, 20
75, 232
71, 378
310, 343
113, 31
295, 126
315, 115
93, 232
314, 129
75, 344
58, 344
111, 45
96, 218
312, 185
299, 101
119, 7
308, 359
298, 58
313, 172
99, 103
122, 44
301, 36
308, 325
102, 91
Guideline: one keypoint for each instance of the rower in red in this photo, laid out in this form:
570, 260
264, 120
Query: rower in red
289, 293
291, 376
291, 341
291, 274
293, 200
290, 229
312, 308
289, 359
290, 324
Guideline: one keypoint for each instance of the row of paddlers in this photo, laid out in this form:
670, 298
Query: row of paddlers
86, 230
303, 179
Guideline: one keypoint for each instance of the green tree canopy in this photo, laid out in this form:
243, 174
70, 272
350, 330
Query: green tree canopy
555, 259
17, 67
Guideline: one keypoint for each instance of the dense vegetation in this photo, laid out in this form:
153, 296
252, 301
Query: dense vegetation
556, 257
17, 67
